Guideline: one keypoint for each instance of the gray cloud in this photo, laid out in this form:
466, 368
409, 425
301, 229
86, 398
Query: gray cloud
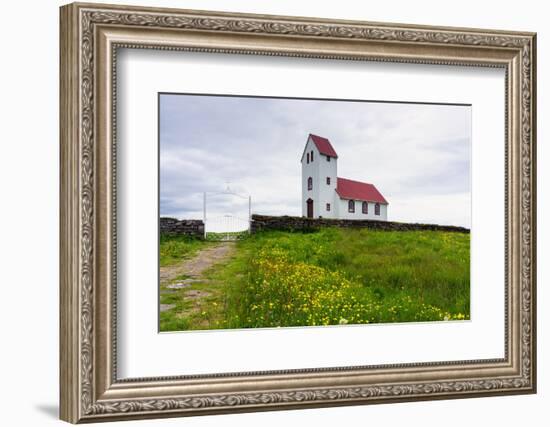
417, 155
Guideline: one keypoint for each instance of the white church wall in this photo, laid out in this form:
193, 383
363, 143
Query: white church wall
383, 212
358, 214
310, 170
327, 192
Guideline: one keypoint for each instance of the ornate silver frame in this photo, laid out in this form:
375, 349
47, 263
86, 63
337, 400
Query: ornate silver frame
90, 36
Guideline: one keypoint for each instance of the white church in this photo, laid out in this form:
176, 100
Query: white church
325, 195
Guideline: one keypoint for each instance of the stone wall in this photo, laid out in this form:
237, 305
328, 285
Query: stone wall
195, 227
189, 227
294, 223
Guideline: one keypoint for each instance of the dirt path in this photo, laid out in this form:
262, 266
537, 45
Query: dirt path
185, 290
202, 261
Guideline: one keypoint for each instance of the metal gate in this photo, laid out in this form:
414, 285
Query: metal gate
229, 222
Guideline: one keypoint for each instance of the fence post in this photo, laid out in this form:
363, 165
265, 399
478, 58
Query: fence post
249, 214
204, 213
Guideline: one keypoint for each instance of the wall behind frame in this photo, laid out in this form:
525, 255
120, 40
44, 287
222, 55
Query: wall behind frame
29, 173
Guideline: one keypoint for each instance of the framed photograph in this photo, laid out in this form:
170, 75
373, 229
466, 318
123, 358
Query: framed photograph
267, 212
341, 256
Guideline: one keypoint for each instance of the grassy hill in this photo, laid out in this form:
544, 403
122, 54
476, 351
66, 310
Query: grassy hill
334, 276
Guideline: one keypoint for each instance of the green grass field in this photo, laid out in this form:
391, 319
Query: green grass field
333, 276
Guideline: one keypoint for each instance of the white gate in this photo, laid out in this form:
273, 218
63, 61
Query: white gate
226, 215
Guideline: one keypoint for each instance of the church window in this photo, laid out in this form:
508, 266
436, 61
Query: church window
308, 157
328, 180
328, 206
365, 208
312, 155
377, 209
328, 158
351, 206
310, 183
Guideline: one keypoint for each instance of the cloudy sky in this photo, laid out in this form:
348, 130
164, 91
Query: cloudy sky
417, 155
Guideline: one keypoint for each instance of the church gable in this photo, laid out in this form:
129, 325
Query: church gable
322, 145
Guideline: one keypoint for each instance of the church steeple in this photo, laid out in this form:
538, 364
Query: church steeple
319, 165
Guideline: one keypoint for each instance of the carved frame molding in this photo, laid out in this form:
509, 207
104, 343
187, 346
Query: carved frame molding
90, 36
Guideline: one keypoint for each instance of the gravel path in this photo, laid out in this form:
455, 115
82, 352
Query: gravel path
202, 261
193, 269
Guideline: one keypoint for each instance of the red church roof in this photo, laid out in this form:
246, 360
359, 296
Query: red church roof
355, 190
323, 145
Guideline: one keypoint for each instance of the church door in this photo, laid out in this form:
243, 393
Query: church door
309, 208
